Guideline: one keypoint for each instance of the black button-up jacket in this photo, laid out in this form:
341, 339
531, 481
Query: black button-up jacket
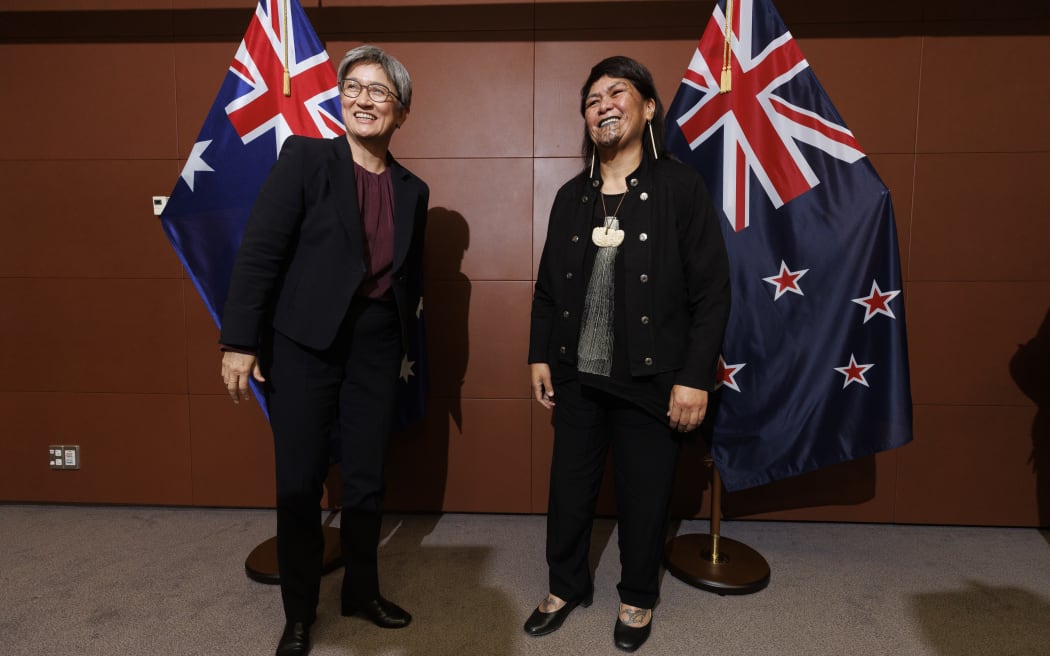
676, 282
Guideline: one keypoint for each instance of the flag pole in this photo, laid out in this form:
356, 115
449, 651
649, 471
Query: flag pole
712, 562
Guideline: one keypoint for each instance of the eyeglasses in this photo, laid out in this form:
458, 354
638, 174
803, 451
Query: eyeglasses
351, 88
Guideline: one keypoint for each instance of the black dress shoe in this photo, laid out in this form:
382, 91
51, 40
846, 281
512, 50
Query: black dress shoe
630, 638
384, 614
540, 623
295, 641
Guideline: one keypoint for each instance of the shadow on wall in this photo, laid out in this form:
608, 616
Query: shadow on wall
417, 473
1030, 369
982, 620
847, 483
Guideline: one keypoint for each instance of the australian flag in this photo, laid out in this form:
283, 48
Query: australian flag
814, 367
280, 83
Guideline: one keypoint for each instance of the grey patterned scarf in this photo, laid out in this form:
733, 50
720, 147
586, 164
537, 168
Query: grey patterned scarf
594, 354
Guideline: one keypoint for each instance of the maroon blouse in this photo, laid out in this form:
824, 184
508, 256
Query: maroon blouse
375, 200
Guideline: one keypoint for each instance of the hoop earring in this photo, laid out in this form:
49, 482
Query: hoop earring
593, 148
652, 139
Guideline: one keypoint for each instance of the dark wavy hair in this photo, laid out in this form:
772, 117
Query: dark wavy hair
642, 80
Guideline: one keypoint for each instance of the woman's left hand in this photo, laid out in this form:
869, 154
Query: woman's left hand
687, 408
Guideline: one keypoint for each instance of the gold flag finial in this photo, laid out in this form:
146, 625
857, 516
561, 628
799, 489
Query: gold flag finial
726, 83
287, 31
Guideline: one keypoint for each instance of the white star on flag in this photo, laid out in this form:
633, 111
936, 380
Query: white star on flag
406, 368
196, 162
854, 372
786, 281
877, 302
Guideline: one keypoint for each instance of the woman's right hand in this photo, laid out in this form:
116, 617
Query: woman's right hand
236, 367
542, 389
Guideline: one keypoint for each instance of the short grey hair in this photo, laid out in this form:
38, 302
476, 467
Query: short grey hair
394, 69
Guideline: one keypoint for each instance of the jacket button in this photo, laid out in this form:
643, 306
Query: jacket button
645, 320
643, 278
643, 237
568, 276
634, 182
565, 314
562, 350
575, 238
586, 198
595, 183
648, 362
643, 196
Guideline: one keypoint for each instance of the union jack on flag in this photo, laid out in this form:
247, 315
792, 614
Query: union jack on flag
238, 144
814, 368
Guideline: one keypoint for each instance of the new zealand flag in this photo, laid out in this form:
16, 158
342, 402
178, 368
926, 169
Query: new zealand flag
814, 368
280, 83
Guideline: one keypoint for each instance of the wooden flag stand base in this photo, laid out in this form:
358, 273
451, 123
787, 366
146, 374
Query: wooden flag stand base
261, 563
713, 563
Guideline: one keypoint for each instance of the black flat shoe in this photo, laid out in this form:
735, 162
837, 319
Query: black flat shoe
295, 641
540, 623
630, 638
384, 614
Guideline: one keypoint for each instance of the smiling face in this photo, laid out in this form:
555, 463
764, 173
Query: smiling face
616, 113
368, 121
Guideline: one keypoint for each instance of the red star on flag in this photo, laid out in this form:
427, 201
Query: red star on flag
877, 302
726, 374
854, 372
786, 281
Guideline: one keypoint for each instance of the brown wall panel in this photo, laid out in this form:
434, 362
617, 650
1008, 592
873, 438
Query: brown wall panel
961, 336
970, 465
542, 444
981, 217
948, 10
84, 219
874, 84
476, 462
861, 490
232, 450
984, 94
110, 101
134, 448
897, 173
463, 104
480, 221
84, 335
562, 68
947, 103
477, 336
549, 174
626, 19
805, 12
200, 69
81, 5
203, 357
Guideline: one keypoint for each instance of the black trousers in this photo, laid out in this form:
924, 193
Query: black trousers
341, 398
587, 423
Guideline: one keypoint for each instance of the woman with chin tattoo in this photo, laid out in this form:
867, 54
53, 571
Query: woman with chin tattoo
630, 306
320, 308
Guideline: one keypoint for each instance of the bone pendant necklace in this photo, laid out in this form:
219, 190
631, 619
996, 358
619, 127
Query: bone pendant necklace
610, 234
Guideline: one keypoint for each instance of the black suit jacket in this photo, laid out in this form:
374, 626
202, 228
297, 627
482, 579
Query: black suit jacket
302, 256
677, 274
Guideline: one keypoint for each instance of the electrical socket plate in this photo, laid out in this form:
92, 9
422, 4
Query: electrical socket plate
64, 456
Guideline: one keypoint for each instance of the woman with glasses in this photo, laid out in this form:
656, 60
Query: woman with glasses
631, 302
320, 308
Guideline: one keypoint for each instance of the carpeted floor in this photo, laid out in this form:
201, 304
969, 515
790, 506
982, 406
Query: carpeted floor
161, 581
